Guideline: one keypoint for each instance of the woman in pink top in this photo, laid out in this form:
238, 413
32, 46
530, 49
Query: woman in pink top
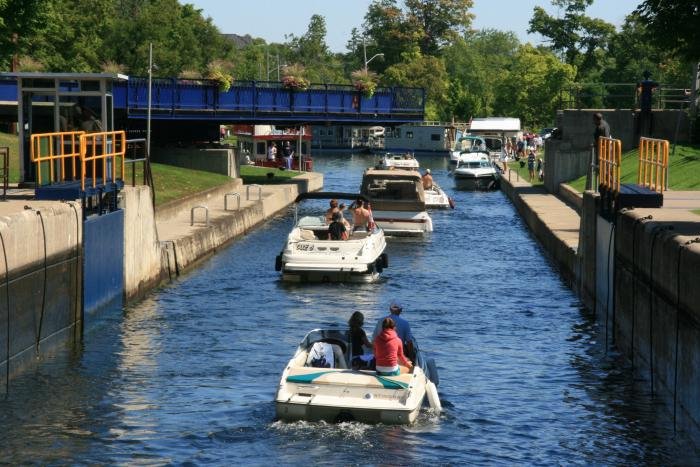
388, 351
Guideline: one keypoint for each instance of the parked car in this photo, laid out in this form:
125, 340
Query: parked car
547, 132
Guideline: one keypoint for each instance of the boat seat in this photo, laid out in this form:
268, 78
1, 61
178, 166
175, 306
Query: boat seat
307, 234
338, 356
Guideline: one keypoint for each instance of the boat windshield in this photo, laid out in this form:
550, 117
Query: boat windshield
473, 165
331, 336
387, 189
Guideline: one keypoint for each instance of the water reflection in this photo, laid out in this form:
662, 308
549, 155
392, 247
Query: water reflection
189, 374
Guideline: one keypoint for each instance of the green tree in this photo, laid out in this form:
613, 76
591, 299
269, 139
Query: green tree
422, 71
20, 20
475, 65
439, 22
533, 86
673, 24
312, 51
579, 39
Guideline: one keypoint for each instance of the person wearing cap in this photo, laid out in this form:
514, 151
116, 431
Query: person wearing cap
427, 180
403, 329
388, 351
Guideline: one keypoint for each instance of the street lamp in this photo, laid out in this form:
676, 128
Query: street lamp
364, 49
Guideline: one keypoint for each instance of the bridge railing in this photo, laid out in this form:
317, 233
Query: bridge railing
182, 96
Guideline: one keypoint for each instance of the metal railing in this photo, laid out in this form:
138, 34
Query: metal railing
51, 151
105, 149
653, 164
5, 169
620, 96
238, 198
131, 158
609, 163
206, 212
247, 191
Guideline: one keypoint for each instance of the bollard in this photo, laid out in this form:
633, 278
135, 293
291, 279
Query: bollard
206, 211
238, 198
247, 191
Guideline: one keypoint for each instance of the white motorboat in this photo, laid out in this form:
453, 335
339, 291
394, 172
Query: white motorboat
467, 144
309, 255
436, 198
398, 201
317, 385
475, 171
390, 161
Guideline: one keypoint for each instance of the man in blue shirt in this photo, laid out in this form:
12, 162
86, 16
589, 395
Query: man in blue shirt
403, 329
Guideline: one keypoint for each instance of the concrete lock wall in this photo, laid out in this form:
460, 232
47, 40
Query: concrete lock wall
656, 319
218, 160
564, 162
185, 252
143, 256
43, 275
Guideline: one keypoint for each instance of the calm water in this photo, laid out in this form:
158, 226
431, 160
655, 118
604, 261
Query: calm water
189, 374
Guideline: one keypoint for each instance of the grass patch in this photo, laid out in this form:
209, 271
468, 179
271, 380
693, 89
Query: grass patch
176, 182
252, 174
524, 172
696, 211
683, 169
12, 141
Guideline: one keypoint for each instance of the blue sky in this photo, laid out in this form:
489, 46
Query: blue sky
272, 19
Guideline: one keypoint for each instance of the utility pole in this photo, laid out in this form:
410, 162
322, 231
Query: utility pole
148, 118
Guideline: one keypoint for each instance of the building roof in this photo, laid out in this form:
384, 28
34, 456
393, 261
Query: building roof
495, 124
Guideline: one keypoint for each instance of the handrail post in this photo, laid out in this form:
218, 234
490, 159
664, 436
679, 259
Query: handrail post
199, 206
238, 198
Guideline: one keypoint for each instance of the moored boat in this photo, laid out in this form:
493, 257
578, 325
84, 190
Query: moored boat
390, 161
317, 385
398, 201
476, 171
309, 255
436, 198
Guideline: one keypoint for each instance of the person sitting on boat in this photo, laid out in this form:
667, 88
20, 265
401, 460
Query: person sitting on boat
337, 230
358, 339
403, 329
331, 210
341, 209
360, 216
388, 351
427, 180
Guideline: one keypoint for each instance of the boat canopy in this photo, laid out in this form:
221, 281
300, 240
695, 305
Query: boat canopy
330, 195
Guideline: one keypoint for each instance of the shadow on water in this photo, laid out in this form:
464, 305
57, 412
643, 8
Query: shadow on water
189, 374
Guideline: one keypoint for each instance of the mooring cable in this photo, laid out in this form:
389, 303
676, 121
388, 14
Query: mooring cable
43, 294
77, 265
607, 286
7, 306
659, 229
634, 280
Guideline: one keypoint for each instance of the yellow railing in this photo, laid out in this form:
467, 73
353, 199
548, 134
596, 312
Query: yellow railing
54, 149
102, 154
653, 163
609, 162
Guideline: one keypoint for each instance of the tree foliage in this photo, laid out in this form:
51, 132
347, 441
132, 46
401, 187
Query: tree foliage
579, 39
674, 25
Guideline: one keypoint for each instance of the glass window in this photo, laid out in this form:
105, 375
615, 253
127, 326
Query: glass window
330, 132
260, 148
435, 137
